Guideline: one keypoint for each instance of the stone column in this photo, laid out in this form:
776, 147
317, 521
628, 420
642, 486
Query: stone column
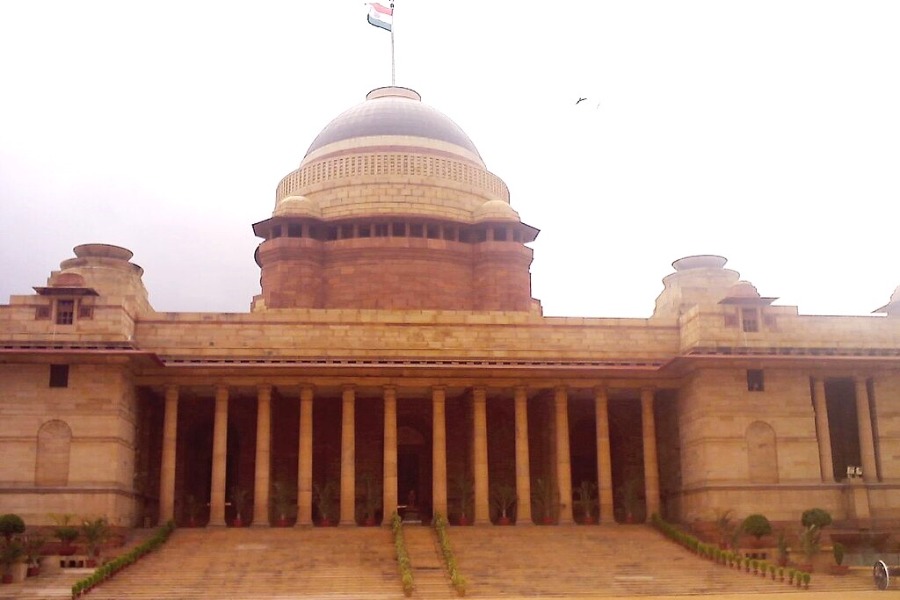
389, 486
263, 456
651, 462
348, 458
304, 463
826, 464
482, 514
866, 437
439, 451
167, 466
563, 459
220, 457
604, 458
523, 467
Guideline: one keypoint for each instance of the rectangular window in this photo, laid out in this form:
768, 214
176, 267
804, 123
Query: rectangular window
41, 313
85, 312
750, 320
65, 312
433, 232
398, 229
499, 234
364, 231
755, 382
59, 376
381, 229
416, 230
450, 233
295, 230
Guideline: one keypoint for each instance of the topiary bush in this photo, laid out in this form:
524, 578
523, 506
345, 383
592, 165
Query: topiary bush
816, 516
756, 525
11, 525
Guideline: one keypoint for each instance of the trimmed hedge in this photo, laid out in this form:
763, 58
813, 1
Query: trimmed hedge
104, 572
456, 578
406, 576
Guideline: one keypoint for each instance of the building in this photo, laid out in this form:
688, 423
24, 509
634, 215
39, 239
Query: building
395, 357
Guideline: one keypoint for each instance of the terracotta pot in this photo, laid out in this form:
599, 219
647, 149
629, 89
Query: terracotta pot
504, 521
7, 578
33, 571
370, 522
67, 549
238, 522
463, 520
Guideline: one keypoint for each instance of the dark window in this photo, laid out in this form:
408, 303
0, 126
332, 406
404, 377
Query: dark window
433, 232
499, 234
295, 230
85, 312
364, 231
755, 382
59, 376
480, 235
381, 229
346, 232
750, 320
450, 233
41, 313
332, 233
731, 320
65, 312
398, 229
416, 230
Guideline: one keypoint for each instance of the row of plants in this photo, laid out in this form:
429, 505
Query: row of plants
105, 572
403, 563
456, 578
730, 558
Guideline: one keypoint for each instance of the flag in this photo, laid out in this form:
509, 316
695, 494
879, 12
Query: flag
380, 16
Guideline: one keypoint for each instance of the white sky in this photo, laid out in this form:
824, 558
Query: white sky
764, 131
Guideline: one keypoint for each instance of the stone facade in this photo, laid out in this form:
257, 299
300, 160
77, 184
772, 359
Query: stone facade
395, 356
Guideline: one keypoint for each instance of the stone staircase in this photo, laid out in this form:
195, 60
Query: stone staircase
251, 563
429, 571
359, 563
598, 561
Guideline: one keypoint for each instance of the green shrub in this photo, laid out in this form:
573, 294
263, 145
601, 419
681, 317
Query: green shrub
11, 525
756, 525
816, 516
838, 550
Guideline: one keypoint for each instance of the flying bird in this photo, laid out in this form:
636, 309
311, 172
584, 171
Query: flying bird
580, 100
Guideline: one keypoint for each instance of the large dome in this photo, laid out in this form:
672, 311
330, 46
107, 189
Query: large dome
394, 112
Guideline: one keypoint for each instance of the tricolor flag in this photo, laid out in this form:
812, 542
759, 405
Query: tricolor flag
380, 16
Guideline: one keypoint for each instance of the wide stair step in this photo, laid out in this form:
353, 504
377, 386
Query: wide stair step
429, 572
613, 560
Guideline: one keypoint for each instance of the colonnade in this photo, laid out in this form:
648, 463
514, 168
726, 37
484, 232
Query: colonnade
217, 501
864, 424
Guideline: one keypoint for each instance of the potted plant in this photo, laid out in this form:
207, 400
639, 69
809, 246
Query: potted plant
324, 497
630, 498
95, 532
724, 528
838, 568
239, 502
11, 552
283, 502
464, 489
33, 545
586, 499
809, 545
192, 507
756, 525
371, 500
542, 494
504, 498
11, 525
66, 533
782, 549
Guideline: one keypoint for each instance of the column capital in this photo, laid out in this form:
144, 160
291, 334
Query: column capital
264, 389
348, 387
601, 391
438, 388
479, 394
221, 392
171, 390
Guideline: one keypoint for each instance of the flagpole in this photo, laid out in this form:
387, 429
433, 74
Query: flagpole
393, 68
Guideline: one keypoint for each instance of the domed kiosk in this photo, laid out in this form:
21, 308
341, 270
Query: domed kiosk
393, 208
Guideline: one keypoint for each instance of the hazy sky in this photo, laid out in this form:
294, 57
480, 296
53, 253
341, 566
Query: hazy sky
764, 131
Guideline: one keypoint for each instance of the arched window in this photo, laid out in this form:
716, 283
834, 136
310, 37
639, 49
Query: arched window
762, 453
54, 441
